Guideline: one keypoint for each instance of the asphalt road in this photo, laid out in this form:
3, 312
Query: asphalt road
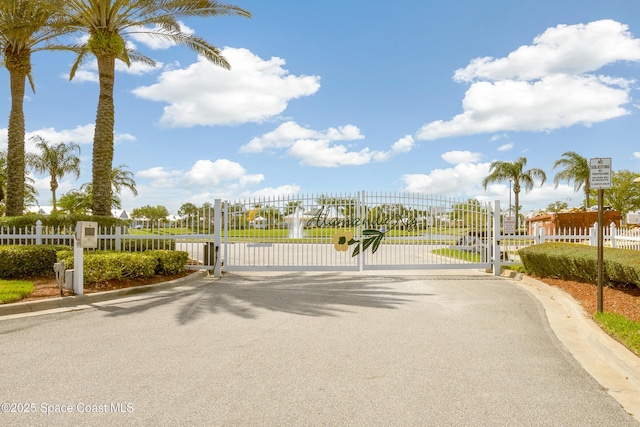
330, 349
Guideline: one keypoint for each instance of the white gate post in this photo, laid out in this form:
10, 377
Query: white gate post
361, 215
217, 233
496, 237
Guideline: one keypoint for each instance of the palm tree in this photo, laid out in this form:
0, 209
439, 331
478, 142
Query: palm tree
29, 192
107, 24
57, 160
120, 179
513, 171
26, 26
575, 168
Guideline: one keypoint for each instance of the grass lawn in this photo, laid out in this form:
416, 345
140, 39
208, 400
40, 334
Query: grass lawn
14, 290
458, 254
624, 330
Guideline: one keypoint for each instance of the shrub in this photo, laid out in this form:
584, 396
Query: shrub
106, 265
18, 262
169, 262
569, 261
102, 266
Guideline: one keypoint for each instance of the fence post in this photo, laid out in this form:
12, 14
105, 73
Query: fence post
496, 237
593, 235
542, 235
217, 233
118, 237
536, 233
612, 234
38, 232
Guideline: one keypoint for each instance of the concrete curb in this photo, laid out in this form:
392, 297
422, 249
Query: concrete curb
613, 365
80, 300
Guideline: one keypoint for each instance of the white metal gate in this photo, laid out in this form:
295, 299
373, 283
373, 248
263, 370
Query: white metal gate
362, 231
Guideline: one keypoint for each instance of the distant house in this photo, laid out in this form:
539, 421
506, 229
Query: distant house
554, 223
259, 222
119, 213
40, 210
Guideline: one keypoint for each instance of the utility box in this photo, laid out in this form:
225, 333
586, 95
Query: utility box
87, 234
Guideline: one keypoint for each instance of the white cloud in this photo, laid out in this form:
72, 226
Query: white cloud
458, 157
505, 147
205, 181
550, 103
545, 86
254, 90
319, 148
636, 155
81, 135
204, 174
565, 49
464, 179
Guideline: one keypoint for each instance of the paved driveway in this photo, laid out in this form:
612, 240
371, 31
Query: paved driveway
391, 349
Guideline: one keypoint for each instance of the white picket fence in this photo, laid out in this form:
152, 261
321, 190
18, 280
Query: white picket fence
614, 237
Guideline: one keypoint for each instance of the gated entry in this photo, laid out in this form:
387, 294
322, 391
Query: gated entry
351, 232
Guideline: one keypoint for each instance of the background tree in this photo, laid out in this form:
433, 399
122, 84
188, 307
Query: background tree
514, 171
188, 210
57, 160
27, 26
107, 24
469, 214
75, 202
120, 179
624, 195
574, 168
151, 213
557, 206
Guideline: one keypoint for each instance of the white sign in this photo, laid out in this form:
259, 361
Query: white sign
508, 225
600, 173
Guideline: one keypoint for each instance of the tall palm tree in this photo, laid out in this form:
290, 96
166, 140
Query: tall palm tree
120, 179
29, 192
57, 160
514, 171
575, 168
26, 26
107, 24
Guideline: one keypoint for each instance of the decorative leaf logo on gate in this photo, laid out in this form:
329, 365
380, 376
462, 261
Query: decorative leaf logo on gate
371, 238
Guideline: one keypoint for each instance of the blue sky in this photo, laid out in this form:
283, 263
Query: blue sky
341, 96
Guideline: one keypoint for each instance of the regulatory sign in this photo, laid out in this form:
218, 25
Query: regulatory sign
508, 225
600, 173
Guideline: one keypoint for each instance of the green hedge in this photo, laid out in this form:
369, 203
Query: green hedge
569, 261
100, 266
58, 220
17, 261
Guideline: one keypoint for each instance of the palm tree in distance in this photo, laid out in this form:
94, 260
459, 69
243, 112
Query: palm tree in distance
57, 160
26, 26
576, 169
514, 171
120, 178
107, 24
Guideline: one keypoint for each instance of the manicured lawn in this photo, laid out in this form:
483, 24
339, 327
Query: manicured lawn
14, 290
624, 330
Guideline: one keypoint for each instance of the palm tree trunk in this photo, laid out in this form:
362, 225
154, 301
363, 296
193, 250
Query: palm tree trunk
54, 186
587, 190
516, 197
19, 65
103, 137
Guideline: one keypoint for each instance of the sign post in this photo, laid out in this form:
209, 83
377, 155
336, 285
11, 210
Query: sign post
600, 179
